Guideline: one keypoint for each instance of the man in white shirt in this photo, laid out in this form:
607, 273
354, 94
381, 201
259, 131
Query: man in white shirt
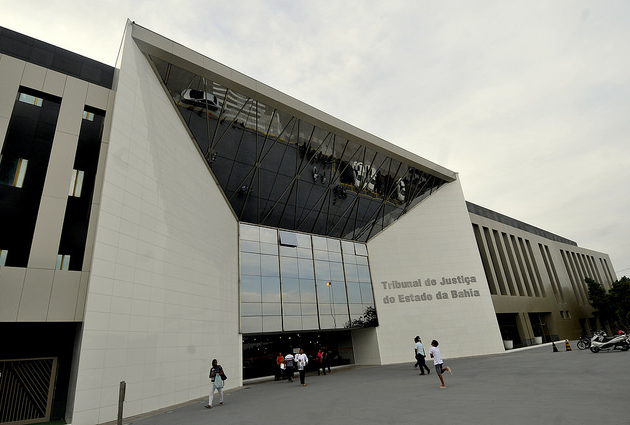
439, 363
302, 361
420, 356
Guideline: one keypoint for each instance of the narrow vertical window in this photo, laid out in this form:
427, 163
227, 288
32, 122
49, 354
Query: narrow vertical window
76, 184
63, 262
12, 171
21, 172
3, 257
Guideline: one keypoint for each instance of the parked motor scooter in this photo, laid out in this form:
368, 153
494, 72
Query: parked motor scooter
609, 343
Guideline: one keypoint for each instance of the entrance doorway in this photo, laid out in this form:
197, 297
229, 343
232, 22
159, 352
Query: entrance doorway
260, 351
509, 328
540, 327
26, 390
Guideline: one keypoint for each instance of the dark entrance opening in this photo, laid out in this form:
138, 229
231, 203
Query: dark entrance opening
540, 325
24, 341
260, 350
509, 328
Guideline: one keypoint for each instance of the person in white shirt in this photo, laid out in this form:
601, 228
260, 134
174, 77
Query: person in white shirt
420, 356
216, 376
439, 363
302, 361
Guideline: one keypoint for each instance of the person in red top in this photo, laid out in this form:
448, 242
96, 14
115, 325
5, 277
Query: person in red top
279, 366
320, 362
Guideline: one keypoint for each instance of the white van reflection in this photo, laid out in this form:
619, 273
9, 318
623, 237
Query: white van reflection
200, 98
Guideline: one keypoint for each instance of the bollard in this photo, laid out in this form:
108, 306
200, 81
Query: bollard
121, 400
555, 349
566, 341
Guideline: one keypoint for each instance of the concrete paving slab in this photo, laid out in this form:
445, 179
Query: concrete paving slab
530, 386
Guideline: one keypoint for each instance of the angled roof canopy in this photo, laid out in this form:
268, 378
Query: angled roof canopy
282, 163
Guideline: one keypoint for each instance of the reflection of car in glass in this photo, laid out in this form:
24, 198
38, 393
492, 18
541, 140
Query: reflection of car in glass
364, 175
400, 190
200, 98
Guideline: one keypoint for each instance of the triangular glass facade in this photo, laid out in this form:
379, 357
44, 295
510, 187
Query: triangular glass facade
281, 171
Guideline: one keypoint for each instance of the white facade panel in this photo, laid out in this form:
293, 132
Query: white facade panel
412, 263
163, 291
365, 345
47, 233
11, 285
34, 76
56, 82
64, 295
36, 293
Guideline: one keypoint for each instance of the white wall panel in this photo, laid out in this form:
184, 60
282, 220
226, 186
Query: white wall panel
55, 82
45, 246
60, 165
433, 241
365, 346
97, 96
35, 297
164, 284
63, 299
11, 285
34, 76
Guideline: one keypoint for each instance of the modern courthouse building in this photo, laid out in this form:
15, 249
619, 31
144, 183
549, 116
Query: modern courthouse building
170, 210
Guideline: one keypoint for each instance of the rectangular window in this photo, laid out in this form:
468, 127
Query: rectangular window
88, 116
12, 171
562, 314
288, 239
302, 287
31, 100
76, 184
3, 257
63, 262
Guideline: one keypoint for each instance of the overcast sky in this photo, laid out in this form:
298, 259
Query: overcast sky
528, 101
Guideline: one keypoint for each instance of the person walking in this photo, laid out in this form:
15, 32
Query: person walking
279, 366
421, 356
415, 353
320, 362
327, 357
217, 376
302, 361
290, 363
434, 351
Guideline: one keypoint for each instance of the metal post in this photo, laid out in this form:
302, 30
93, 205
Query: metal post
121, 400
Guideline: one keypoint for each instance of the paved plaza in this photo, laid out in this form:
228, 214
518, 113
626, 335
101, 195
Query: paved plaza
532, 386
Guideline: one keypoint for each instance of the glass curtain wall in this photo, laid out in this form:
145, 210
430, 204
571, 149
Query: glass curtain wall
280, 171
298, 282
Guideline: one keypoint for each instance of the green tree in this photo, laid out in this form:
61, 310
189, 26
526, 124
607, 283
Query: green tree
620, 298
368, 319
598, 298
612, 306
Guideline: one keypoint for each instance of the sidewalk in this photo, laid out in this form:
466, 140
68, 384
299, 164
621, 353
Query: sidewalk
526, 386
